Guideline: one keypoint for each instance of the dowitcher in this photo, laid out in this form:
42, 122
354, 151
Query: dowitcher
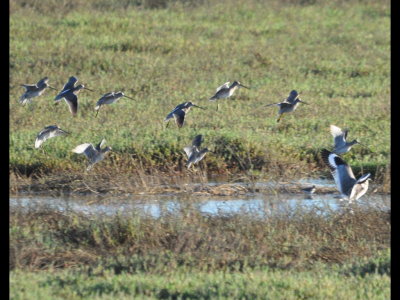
349, 187
94, 154
339, 140
47, 133
68, 93
226, 90
194, 153
34, 90
179, 113
109, 98
289, 104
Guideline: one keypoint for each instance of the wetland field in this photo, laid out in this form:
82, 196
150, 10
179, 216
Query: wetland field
139, 224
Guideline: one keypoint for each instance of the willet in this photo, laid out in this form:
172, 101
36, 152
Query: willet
349, 187
179, 113
94, 154
226, 90
47, 133
193, 152
289, 104
339, 139
34, 90
69, 92
109, 98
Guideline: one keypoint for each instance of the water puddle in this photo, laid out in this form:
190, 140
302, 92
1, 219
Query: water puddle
256, 204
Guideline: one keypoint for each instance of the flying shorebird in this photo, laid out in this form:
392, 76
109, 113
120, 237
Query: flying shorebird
339, 139
94, 154
289, 104
69, 92
193, 152
349, 187
109, 98
47, 133
226, 90
179, 113
34, 90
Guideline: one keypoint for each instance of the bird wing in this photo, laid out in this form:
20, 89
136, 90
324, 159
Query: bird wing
292, 96
360, 188
72, 101
340, 170
273, 104
179, 116
70, 84
29, 87
188, 150
224, 86
42, 136
100, 145
171, 114
42, 81
47, 133
197, 140
200, 155
86, 149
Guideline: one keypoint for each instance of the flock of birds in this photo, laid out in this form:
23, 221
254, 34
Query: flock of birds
349, 187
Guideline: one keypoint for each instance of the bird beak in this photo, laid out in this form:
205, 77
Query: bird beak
88, 89
303, 102
128, 97
52, 88
198, 106
244, 86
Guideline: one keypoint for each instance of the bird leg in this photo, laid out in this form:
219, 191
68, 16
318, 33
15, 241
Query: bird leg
98, 111
279, 118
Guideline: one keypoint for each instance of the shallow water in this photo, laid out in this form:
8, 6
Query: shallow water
256, 204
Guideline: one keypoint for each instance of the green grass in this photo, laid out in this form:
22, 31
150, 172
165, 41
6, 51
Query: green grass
321, 282
336, 54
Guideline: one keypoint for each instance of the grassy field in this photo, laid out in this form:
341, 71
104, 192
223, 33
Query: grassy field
297, 254
336, 54
163, 53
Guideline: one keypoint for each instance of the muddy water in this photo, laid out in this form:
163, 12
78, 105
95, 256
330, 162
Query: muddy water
256, 204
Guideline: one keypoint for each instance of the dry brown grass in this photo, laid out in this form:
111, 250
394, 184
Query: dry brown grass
296, 239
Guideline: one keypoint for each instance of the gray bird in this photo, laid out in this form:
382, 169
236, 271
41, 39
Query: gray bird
109, 98
34, 90
68, 93
349, 187
193, 152
179, 113
47, 133
339, 139
289, 104
226, 90
94, 154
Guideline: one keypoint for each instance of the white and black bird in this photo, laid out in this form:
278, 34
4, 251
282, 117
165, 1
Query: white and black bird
179, 113
289, 104
94, 154
194, 153
309, 190
349, 187
69, 94
109, 98
341, 146
47, 133
34, 90
226, 90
